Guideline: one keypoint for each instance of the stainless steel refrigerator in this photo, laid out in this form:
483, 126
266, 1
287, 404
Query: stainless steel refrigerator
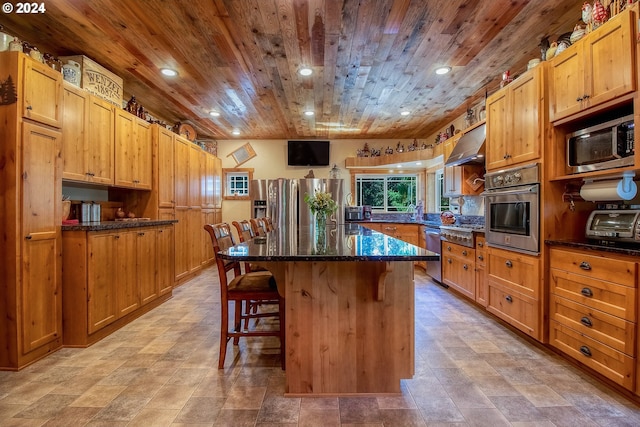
283, 200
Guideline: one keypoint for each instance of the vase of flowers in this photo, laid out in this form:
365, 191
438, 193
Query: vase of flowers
322, 206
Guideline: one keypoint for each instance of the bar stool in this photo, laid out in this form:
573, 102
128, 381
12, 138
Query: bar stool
259, 226
243, 288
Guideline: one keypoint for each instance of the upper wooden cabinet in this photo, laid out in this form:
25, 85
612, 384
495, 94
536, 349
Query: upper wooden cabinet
87, 137
163, 152
133, 152
462, 180
41, 98
598, 68
515, 121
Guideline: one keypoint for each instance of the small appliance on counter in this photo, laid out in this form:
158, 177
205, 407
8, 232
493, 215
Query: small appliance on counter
353, 213
614, 225
366, 213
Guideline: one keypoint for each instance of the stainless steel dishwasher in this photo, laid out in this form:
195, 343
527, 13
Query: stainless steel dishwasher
432, 240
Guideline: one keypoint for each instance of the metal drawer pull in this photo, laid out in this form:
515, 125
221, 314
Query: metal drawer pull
586, 321
509, 264
585, 350
466, 267
28, 237
29, 107
586, 292
480, 244
448, 248
464, 253
585, 265
480, 257
508, 298
449, 260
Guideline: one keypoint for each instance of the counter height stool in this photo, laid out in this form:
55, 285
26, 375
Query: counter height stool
259, 226
242, 289
245, 233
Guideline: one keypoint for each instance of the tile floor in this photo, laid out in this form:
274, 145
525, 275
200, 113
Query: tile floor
160, 370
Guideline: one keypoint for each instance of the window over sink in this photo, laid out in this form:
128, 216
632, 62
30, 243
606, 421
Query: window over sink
387, 192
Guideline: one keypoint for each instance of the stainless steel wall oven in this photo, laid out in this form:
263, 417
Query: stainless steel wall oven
512, 208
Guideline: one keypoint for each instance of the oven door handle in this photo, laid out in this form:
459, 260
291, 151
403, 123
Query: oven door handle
526, 190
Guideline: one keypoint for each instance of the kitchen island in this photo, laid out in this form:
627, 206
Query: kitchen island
349, 307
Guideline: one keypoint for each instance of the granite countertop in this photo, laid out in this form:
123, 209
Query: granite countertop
347, 242
116, 225
613, 247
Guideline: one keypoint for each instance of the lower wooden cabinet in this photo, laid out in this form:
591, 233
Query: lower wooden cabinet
593, 311
481, 271
458, 268
111, 277
514, 291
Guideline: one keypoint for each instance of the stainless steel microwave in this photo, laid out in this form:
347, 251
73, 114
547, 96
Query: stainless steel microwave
603, 146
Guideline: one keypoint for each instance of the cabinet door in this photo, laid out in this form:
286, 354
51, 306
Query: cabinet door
146, 251
165, 259
524, 138
566, 76
208, 217
452, 181
40, 289
196, 172
196, 231
100, 144
128, 291
102, 283
42, 93
143, 170
125, 149
74, 133
609, 61
182, 240
459, 274
165, 150
208, 180
496, 130
217, 183
181, 172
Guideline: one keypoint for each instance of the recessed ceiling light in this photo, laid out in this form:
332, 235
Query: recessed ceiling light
405, 113
305, 71
398, 166
214, 114
169, 72
236, 132
309, 113
418, 163
443, 70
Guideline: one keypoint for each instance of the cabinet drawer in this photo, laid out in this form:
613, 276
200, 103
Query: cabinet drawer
516, 309
621, 271
515, 271
613, 364
605, 328
458, 251
608, 297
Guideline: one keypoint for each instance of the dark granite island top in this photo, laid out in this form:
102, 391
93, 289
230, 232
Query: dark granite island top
349, 242
116, 225
349, 306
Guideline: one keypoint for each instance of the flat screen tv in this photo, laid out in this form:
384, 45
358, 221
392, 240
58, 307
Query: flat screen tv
308, 153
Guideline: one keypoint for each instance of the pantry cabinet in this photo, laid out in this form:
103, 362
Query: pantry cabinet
593, 312
516, 121
111, 277
458, 268
598, 68
514, 290
133, 152
30, 206
87, 137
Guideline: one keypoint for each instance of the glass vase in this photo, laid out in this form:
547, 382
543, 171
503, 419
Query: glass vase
321, 230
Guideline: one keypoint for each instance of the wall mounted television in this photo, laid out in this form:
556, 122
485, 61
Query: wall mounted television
308, 153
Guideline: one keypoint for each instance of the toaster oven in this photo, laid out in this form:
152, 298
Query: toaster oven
614, 225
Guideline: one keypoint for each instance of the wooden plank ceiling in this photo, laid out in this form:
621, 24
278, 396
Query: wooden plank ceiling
371, 58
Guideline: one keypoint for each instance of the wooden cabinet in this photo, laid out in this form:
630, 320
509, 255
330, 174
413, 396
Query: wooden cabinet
133, 152
514, 291
593, 311
111, 277
516, 121
447, 146
458, 268
87, 137
31, 176
406, 232
163, 152
461, 180
481, 271
598, 68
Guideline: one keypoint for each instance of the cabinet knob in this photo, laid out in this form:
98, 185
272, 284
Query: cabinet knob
585, 350
448, 248
585, 265
464, 253
28, 237
509, 298
481, 258
585, 96
586, 292
117, 236
29, 107
141, 234
449, 260
465, 266
586, 321
508, 263
578, 99
480, 245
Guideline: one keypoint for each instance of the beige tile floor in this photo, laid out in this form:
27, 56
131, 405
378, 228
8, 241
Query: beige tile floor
160, 370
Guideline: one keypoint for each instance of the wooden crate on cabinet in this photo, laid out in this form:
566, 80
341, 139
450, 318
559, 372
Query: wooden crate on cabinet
516, 118
458, 268
597, 69
30, 271
593, 312
87, 137
514, 290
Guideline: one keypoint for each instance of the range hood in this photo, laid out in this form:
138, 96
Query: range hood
470, 148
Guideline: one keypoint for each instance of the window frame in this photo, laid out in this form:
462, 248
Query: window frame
227, 174
416, 175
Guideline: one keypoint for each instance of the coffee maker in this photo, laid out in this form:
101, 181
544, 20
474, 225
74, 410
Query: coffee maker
366, 213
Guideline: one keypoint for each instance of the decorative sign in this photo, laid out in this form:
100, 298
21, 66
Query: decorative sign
97, 80
243, 154
8, 93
